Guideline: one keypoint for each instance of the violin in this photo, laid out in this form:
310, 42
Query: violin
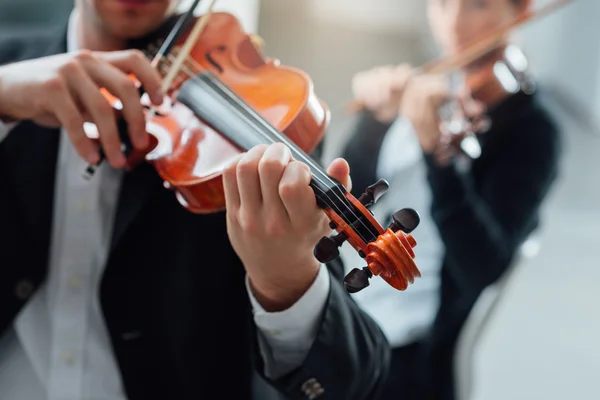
489, 70
502, 72
225, 97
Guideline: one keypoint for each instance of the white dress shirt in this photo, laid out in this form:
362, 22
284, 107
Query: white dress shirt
58, 347
403, 316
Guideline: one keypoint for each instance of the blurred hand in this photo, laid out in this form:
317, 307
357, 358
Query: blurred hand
273, 221
380, 90
473, 114
64, 91
423, 96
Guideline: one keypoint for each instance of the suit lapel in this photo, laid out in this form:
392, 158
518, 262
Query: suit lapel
136, 189
30, 153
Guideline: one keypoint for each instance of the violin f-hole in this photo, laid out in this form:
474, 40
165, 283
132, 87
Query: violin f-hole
212, 61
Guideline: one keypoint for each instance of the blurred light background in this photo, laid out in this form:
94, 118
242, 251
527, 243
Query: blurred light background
542, 339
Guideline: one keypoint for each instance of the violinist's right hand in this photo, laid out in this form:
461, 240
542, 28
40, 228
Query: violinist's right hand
380, 90
422, 99
64, 91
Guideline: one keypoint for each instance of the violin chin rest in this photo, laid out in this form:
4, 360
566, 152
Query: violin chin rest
163, 142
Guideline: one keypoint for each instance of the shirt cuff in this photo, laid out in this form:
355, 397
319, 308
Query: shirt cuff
285, 337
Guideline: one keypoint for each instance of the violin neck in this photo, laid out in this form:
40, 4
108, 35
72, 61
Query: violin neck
218, 106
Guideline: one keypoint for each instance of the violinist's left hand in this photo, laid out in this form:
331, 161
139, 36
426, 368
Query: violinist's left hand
421, 101
274, 223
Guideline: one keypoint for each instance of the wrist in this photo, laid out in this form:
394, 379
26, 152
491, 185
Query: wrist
279, 293
4, 114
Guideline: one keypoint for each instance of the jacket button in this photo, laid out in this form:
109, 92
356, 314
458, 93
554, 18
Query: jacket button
312, 389
23, 289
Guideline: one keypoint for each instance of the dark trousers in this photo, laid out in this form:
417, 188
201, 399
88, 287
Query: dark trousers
405, 381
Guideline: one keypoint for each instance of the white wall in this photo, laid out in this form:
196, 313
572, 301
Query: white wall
565, 51
398, 15
245, 10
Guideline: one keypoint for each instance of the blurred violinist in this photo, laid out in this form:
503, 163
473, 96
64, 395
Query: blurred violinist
483, 199
110, 289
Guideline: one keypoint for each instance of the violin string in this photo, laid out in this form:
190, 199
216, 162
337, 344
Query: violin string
278, 136
192, 75
182, 67
189, 72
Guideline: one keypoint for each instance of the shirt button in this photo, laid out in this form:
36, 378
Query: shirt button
23, 289
82, 205
75, 281
312, 389
68, 357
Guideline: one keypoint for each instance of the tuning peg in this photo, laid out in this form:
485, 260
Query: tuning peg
374, 192
405, 220
357, 279
327, 249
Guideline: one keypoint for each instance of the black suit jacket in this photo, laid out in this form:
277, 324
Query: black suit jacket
173, 292
482, 216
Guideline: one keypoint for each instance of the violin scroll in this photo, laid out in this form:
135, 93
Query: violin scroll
389, 255
327, 249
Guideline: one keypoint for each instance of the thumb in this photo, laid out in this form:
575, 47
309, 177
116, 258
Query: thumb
340, 171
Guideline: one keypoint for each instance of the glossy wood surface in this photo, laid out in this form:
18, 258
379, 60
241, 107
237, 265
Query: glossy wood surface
188, 154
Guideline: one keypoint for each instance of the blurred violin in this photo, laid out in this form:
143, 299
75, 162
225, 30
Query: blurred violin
488, 70
225, 97
491, 79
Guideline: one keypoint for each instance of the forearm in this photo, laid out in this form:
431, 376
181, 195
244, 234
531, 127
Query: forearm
348, 358
285, 337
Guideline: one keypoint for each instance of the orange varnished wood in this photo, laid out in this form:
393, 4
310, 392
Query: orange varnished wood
353, 239
282, 95
481, 80
363, 210
189, 154
391, 256
393, 249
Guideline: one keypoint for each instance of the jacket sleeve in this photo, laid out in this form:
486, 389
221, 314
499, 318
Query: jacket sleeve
482, 231
349, 358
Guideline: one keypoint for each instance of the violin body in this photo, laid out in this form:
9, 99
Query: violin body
188, 154
497, 75
490, 79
